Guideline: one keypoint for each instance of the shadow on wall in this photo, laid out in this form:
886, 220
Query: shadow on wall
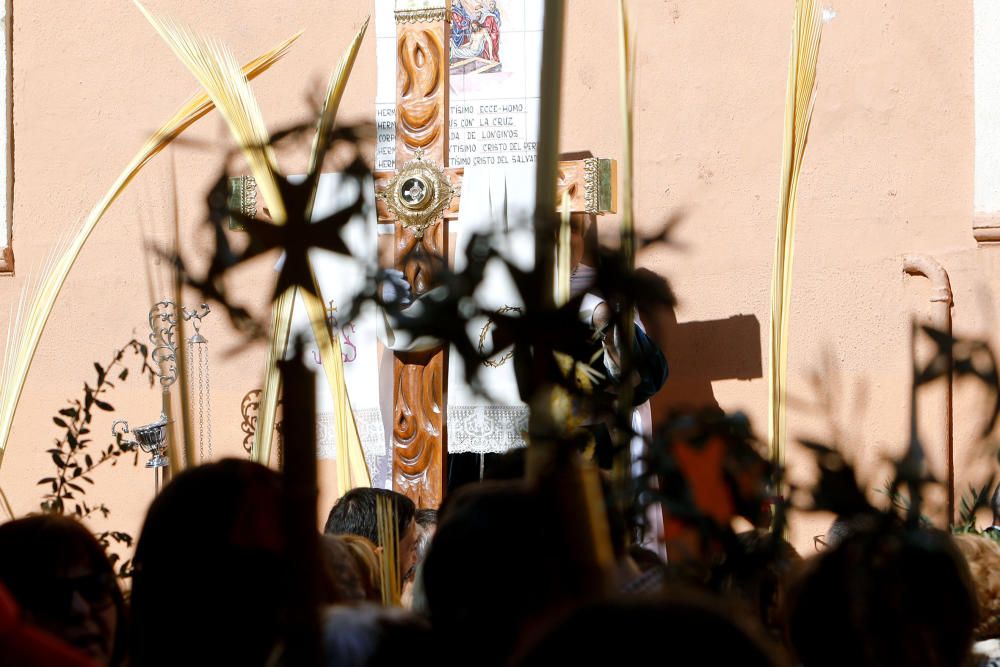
700, 353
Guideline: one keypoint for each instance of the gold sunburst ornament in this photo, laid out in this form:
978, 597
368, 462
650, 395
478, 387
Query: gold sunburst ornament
418, 194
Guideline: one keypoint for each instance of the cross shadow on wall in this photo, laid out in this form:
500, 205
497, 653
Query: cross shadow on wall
701, 352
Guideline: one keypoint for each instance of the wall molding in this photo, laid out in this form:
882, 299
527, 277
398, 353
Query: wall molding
986, 227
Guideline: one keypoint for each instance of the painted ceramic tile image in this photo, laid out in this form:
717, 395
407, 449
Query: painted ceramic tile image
475, 37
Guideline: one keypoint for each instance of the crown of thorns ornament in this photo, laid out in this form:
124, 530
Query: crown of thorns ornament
418, 194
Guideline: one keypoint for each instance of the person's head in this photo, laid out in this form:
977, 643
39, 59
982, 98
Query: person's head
371, 636
61, 578
413, 596
343, 579
836, 533
367, 560
427, 520
356, 513
210, 569
983, 556
886, 595
697, 630
25, 645
756, 573
498, 563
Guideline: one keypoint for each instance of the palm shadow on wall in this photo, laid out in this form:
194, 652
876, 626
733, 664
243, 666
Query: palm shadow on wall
701, 352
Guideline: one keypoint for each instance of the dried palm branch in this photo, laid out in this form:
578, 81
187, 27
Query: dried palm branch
548, 143
627, 51
799, 103
6, 505
187, 435
546, 175
212, 64
388, 535
281, 327
152, 284
214, 67
27, 337
331, 104
564, 252
352, 469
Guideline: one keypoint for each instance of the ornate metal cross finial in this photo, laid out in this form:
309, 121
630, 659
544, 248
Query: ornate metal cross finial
162, 319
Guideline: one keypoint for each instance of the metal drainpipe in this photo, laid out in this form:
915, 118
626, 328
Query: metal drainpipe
941, 296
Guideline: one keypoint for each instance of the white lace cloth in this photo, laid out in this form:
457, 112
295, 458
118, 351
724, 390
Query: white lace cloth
373, 440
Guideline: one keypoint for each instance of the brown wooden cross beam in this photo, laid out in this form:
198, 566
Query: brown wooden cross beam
420, 199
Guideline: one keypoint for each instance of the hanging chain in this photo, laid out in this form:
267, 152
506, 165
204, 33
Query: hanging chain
197, 388
206, 391
199, 349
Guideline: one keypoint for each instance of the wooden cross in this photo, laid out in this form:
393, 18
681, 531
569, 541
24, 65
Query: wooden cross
420, 199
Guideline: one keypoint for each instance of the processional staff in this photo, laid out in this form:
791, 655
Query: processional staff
152, 438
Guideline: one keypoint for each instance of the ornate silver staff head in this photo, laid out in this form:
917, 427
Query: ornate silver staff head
152, 438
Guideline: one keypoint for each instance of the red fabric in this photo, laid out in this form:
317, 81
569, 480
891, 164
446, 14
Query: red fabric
704, 469
26, 646
493, 28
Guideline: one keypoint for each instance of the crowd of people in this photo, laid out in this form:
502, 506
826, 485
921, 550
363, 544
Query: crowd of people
490, 579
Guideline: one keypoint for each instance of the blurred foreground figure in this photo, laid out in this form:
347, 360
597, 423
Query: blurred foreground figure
756, 575
346, 580
498, 567
692, 631
885, 596
982, 554
27, 646
371, 636
209, 582
61, 578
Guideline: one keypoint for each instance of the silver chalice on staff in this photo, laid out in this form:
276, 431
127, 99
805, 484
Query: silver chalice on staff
152, 439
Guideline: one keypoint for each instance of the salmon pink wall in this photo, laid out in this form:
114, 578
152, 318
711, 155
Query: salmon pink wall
888, 171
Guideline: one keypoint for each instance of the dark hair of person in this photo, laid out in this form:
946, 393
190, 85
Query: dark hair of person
426, 516
356, 514
368, 563
25, 645
886, 595
695, 629
498, 563
343, 581
210, 580
756, 572
33, 551
373, 636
